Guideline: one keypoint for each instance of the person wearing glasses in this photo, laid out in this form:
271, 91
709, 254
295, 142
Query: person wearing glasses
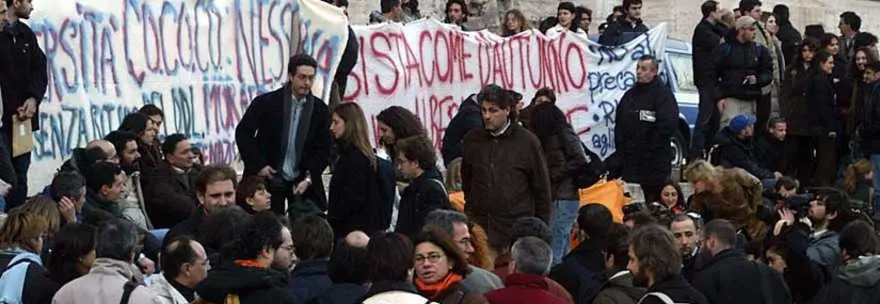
440, 268
186, 265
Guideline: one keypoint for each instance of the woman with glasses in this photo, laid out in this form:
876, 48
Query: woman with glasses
21, 241
439, 269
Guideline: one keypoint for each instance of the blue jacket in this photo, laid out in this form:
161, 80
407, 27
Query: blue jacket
308, 281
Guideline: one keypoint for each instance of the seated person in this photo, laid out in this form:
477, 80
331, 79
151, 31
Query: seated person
736, 148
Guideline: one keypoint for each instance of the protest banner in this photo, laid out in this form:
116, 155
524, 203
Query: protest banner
202, 62
429, 68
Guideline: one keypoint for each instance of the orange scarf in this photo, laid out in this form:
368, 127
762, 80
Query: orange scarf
248, 264
432, 290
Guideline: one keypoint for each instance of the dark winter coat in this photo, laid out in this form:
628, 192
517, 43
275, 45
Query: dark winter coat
565, 155
793, 101
856, 282
803, 275
789, 36
677, 288
870, 124
423, 195
731, 278
740, 153
468, 118
771, 153
192, 226
646, 121
734, 61
522, 288
354, 195
23, 64
504, 178
581, 271
820, 104
261, 137
620, 290
621, 32
308, 281
342, 293
170, 196
707, 37
251, 285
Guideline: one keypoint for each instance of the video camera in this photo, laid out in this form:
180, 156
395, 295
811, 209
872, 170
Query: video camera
800, 204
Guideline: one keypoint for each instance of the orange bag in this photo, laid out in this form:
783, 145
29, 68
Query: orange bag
608, 193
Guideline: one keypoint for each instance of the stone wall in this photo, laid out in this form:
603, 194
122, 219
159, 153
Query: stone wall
681, 15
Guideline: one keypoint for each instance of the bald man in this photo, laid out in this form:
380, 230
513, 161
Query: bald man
107, 147
357, 239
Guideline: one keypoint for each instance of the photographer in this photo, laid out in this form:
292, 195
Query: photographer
812, 253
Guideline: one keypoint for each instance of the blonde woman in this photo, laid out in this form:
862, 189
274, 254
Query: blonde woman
21, 242
355, 202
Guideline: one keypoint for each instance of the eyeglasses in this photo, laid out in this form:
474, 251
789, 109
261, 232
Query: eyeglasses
431, 257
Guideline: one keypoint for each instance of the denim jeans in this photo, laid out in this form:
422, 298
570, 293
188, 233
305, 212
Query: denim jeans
564, 215
875, 163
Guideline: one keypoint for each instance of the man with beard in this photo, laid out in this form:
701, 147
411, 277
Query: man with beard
215, 188
730, 277
737, 149
25, 80
263, 257
132, 201
655, 262
519, 186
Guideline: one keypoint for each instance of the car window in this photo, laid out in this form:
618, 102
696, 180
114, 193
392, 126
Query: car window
684, 71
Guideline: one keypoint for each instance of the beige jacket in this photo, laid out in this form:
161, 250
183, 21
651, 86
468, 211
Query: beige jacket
131, 204
104, 285
167, 293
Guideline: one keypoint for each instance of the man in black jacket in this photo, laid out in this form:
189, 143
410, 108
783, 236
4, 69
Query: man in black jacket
216, 190
581, 271
707, 37
737, 148
771, 146
25, 80
787, 34
869, 129
655, 262
647, 119
730, 277
468, 118
742, 67
284, 136
626, 28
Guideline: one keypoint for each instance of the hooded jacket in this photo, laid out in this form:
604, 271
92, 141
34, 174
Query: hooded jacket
619, 290
856, 282
251, 285
787, 34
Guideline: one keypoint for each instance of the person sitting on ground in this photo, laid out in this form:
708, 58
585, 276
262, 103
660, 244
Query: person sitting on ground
218, 232
185, 264
68, 189
169, 189
216, 190
528, 282
131, 203
737, 148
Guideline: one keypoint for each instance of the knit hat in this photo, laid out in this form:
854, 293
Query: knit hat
744, 22
566, 6
740, 122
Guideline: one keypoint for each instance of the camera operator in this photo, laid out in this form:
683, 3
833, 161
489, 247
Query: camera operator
812, 253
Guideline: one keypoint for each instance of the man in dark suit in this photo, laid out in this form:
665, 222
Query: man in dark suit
284, 136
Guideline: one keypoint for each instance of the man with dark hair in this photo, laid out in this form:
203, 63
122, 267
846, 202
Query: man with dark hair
858, 279
687, 230
215, 189
24, 84
168, 189
526, 190
132, 201
111, 276
741, 68
349, 269
655, 262
391, 10
528, 282
185, 265
284, 136
150, 151
455, 224
313, 240
646, 120
586, 18
415, 156
869, 129
456, 13
627, 27
707, 37
105, 183
850, 24
789, 35
619, 288
581, 270
771, 146
737, 149
730, 277
787, 186
68, 189
566, 16
256, 276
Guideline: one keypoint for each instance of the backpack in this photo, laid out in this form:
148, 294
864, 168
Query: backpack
13, 279
127, 289
662, 296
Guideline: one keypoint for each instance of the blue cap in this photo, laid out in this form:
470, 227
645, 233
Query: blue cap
740, 122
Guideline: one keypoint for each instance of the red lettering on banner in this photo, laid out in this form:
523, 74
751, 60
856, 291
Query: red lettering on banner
558, 69
390, 62
570, 114
574, 48
447, 75
426, 35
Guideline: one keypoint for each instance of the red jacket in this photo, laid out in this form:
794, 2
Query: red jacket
524, 288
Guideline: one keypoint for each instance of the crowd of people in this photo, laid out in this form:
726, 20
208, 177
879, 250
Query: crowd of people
781, 164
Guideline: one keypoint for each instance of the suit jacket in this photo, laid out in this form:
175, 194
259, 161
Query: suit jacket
262, 139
